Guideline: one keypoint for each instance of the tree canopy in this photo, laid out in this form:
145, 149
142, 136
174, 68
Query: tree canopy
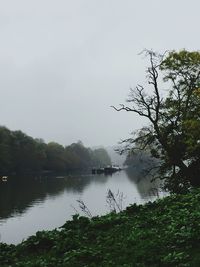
173, 111
20, 153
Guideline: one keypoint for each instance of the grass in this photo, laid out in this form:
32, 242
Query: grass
163, 233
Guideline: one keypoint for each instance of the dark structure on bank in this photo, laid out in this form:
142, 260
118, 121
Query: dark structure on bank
106, 170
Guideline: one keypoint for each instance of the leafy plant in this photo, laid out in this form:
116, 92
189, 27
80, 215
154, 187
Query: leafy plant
161, 233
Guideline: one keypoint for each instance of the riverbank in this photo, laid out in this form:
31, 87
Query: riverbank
163, 233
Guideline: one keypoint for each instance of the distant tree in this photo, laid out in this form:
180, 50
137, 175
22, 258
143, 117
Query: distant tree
23, 150
20, 153
78, 156
40, 154
55, 157
101, 157
173, 135
140, 161
5, 155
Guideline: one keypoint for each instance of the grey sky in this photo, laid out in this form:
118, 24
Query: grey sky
64, 63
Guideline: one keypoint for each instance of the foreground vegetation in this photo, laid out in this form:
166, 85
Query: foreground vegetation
163, 233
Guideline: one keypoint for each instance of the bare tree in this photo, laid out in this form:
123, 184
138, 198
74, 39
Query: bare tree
170, 135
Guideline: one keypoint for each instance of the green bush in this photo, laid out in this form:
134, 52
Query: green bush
163, 233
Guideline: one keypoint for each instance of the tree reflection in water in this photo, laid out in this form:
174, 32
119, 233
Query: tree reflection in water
144, 184
28, 205
20, 193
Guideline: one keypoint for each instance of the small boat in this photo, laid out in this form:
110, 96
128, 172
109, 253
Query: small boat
107, 170
111, 169
4, 178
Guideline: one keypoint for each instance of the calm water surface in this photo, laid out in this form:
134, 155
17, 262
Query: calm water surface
30, 205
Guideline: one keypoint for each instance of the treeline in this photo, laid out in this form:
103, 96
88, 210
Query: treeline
20, 153
141, 161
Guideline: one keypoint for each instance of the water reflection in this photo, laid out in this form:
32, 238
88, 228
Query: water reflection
144, 184
28, 205
20, 193
79, 183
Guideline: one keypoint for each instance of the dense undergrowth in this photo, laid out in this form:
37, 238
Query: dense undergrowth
163, 233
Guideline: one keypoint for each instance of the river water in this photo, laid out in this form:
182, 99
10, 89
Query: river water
44, 203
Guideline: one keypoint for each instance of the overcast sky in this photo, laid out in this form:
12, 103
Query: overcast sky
64, 63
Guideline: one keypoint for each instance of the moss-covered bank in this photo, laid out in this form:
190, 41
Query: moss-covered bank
163, 233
